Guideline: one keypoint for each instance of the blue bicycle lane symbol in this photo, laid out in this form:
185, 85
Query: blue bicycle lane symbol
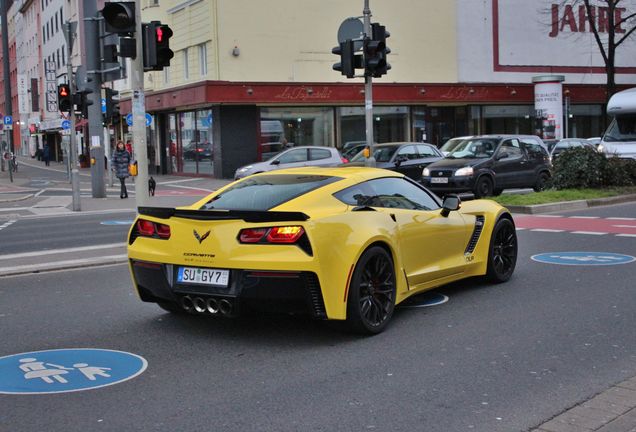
583, 258
67, 370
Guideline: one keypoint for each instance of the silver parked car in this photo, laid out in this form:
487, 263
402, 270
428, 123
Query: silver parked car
292, 158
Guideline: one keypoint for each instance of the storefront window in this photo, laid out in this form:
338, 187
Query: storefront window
204, 147
288, 127
508, 119
389, 124
176, 161
585, 121
188, 142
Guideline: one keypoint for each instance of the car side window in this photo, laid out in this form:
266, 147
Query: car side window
408, 151
426, 151
512, 147
533, 149
389, 192
316, 154
292, 156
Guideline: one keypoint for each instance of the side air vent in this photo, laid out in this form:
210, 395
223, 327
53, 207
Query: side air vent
315, 297
479, 226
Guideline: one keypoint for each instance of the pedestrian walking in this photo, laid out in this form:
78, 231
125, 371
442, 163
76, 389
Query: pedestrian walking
120, 161
46, 155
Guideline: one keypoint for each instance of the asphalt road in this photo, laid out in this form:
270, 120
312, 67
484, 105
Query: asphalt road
493, 358
64, 231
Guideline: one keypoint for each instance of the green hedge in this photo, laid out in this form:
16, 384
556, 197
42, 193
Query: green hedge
584, 167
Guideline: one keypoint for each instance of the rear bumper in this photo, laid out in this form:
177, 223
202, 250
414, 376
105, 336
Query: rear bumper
276, 291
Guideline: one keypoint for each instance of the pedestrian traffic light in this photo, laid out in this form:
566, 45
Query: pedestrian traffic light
82, 102
375, 52
112, 105
64, 99
156, 43
119, 17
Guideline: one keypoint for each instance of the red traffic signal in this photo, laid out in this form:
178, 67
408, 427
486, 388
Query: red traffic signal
64, 100
156, 43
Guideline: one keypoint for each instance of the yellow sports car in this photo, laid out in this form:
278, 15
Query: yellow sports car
345, 243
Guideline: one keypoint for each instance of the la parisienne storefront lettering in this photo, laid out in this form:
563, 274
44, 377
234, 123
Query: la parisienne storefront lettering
567, 19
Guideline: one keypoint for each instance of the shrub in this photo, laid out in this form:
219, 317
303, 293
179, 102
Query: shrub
578, 168
584, 167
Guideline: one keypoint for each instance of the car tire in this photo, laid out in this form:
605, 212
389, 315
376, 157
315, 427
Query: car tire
371, 299
502, 253
171, 307
483, 187
541, 181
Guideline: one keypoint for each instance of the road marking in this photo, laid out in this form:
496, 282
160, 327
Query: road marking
521, 229
63, 265
61, 251
588, 232
625, 235
80, 213
7, 223
624, 226
548, 216
621, 218
584, 217
194, 188
547, 230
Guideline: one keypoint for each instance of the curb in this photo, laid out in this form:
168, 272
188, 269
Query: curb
63, 265
571, 205
20, 198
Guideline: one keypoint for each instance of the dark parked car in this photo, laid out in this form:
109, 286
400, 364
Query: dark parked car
486, 165
567, 143
197, 151
408, 158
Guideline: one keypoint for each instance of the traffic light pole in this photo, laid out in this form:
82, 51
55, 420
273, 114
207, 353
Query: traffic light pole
142, 195
368, 91
91, 51
75, 184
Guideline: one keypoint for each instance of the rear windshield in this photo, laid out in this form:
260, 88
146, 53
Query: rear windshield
267, 191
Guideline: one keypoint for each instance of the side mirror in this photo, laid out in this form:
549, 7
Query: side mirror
451, 203
276, 162
399, 159
502, 155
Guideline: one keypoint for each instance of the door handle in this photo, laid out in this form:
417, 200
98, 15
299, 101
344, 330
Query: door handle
392, 216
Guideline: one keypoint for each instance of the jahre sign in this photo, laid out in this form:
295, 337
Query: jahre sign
567, 19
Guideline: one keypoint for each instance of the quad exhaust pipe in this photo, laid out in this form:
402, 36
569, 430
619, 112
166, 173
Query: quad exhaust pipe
210, 305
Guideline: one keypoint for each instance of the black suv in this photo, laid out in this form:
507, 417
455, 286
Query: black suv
488, 164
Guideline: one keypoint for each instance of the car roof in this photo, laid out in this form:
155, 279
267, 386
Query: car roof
343, 171
395, 144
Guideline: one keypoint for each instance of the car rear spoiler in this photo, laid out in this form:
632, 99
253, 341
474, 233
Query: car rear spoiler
246, 215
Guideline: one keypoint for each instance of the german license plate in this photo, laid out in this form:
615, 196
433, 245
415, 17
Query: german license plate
439, 179
203, 276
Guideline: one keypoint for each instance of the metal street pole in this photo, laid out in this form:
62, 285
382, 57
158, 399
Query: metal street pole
69, 33
91, 50
368, 90
6, 69
142, 196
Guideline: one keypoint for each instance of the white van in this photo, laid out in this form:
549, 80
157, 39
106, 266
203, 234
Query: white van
620, 137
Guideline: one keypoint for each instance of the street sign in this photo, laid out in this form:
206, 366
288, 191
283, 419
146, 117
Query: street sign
583, 258
129, 119
66, 124
67, 370
8, 120
103, 103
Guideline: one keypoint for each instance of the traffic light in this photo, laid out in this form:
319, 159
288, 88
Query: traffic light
346, 65
119, 17
156, 43
112, 105
375, 52
82, 102
64, 99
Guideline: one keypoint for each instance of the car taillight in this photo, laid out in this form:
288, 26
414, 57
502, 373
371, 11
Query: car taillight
148, 228
288, 234
252, 235
284, 234
344, 159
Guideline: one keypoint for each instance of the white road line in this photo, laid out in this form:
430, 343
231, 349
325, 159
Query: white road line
177, 181
584, 217
547, 230
589, 233
195, 188
521, 229
625, 235
60, 251
39, 193
7, 223
624, 226
549, 216
621, 218
58, 265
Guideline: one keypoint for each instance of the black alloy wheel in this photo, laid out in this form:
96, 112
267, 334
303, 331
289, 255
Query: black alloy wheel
502, 256
371, 292
541, 182
484, 187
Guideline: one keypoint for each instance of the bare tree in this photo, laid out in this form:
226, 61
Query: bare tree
609, 21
